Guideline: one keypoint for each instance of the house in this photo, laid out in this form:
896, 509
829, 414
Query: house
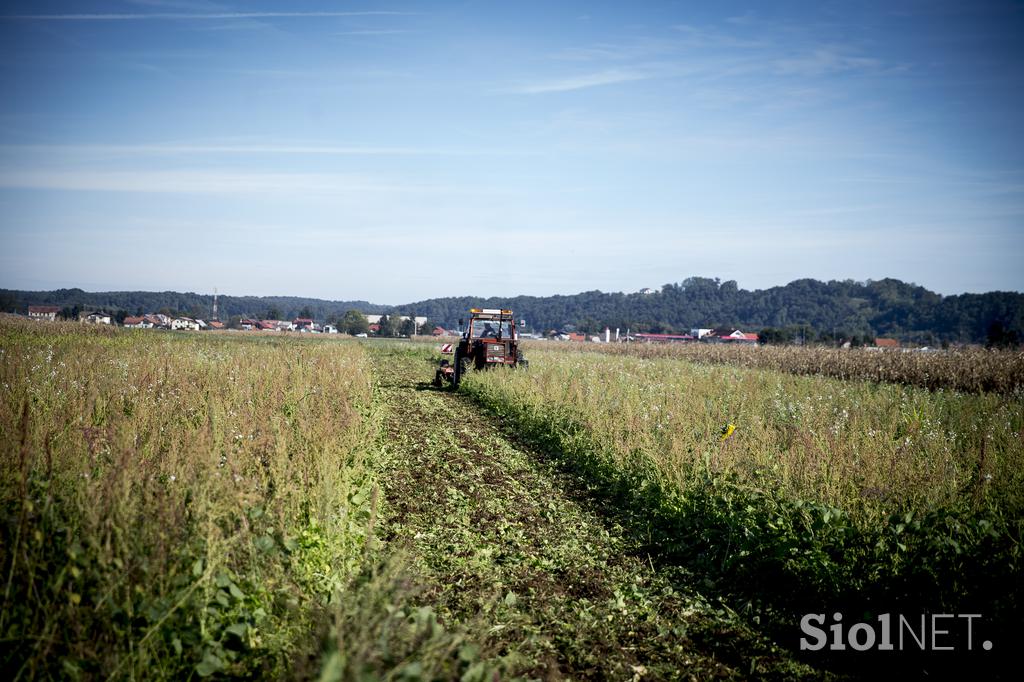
420, 320
249, 325
216, 324
158, 320
330, 329
47, 313
664, 338
185, 323
138, 322
576, 336
94, 318
439, 331
302, 324
729, 335
700, 333
887, 343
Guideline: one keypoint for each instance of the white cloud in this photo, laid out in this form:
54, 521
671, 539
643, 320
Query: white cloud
823, 60
201, 182
580, 82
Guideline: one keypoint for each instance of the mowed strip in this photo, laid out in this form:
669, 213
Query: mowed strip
513, 552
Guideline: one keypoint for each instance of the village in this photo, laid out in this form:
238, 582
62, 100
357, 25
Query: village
413, 326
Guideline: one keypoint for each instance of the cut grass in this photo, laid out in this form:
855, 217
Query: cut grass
516, 556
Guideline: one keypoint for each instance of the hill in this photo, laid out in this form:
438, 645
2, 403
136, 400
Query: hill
191, 304
887, 307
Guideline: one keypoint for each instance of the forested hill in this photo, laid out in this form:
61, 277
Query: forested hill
886, 307
173, 302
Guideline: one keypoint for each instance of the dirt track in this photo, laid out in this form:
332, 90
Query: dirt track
516, 553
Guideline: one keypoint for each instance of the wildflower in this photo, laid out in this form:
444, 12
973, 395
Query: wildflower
727, 431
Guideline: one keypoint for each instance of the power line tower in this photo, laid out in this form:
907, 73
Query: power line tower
215, 304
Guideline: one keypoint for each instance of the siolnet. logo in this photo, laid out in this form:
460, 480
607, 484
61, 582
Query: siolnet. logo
927, 632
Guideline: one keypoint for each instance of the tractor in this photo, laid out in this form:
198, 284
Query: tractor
489, 340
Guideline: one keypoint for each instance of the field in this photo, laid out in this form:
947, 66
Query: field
181, 505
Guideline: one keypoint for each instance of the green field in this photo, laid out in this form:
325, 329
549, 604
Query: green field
241, 505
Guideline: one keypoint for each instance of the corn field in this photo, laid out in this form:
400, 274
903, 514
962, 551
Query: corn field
973, 370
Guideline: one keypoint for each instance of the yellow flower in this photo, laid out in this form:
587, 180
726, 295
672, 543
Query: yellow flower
727, 431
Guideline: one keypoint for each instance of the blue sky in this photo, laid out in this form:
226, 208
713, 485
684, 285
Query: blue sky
399, 151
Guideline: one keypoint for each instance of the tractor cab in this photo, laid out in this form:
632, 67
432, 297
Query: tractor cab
488, 340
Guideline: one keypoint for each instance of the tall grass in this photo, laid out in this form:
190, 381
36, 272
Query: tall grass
805, 490
173, 504
854, 444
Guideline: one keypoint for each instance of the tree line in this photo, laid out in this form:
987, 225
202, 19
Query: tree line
805, 309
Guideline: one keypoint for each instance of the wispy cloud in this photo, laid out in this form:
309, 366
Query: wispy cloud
700, 36
579, 82
204, 182
147, 16
254, 149
822, 61
381, 32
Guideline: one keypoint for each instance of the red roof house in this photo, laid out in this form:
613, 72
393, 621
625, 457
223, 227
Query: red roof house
43, 312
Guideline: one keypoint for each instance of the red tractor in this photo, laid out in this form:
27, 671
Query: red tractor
489, 340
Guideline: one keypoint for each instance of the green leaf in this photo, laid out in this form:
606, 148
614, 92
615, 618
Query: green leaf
209, 665
476, 672
238, 630
197, 568
469, 653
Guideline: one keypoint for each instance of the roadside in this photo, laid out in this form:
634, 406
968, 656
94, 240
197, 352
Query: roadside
514, 552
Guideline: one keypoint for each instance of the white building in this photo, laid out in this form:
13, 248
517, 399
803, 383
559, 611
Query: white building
184, 323
138, 323
420, 320
94, 318
43, 312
